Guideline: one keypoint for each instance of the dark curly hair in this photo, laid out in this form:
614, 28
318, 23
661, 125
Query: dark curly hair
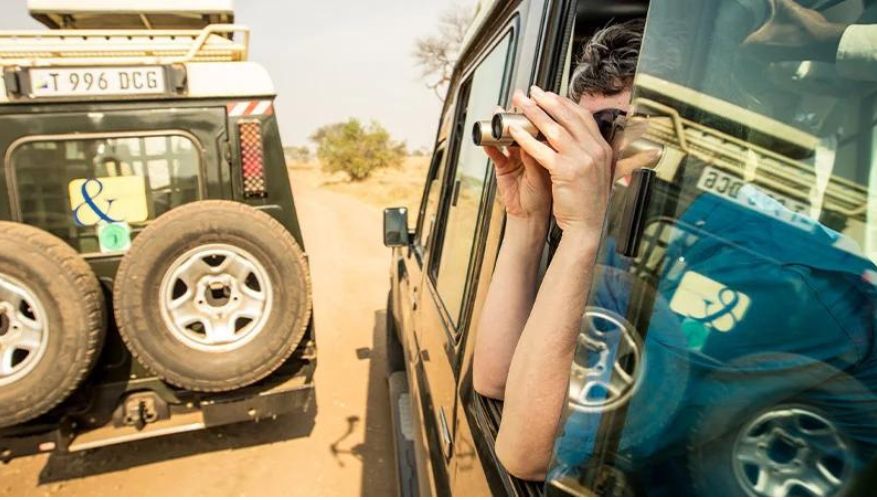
608, 61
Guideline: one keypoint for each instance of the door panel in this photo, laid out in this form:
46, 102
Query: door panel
439, 316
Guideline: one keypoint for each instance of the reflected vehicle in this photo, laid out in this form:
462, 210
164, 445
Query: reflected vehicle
728, 345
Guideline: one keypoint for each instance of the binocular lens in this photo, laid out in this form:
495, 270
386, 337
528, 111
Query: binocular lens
482, 135
502, 123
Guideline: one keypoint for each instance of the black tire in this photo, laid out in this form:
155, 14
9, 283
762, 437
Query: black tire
737, 413
395, 351
175, 355
58, 281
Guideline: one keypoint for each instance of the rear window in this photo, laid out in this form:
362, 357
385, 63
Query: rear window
76, 187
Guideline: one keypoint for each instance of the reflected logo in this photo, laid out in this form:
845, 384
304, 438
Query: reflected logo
709, 302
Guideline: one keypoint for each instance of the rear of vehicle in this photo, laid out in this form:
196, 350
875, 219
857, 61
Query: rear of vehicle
144, 160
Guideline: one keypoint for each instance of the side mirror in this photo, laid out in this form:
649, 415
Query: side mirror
396, 227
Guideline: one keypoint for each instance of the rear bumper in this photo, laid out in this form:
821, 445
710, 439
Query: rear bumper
290, 390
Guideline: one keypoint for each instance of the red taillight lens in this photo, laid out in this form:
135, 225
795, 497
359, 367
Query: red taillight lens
252, 158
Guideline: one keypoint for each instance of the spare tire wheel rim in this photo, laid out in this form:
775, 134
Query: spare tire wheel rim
791, 448
23, 330
216, 298
614, 366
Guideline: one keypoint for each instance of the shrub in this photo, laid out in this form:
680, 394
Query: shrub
298, 155
356, 150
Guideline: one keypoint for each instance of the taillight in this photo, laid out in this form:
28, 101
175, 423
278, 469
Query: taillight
252, 158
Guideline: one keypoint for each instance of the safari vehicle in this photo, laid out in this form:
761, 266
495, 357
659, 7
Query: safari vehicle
152, 272
728, 345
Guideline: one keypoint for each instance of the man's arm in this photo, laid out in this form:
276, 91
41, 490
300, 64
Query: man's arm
857, 53
539, 376
795, 32
525, 192
509, 301
579, 162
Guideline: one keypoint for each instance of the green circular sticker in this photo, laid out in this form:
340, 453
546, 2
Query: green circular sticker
114, 237
697, 333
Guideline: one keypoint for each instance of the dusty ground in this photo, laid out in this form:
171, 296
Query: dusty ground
347, 449
390, 187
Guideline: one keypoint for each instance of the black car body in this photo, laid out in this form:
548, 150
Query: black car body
209, 133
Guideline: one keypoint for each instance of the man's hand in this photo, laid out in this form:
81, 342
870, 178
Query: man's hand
795, 33
522, 185
577, 158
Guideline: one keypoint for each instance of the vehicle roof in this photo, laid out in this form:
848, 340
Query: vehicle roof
482, 9
131, 14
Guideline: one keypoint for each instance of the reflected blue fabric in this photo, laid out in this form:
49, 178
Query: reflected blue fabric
812, 315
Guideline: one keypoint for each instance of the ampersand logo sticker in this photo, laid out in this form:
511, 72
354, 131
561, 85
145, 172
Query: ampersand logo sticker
108, 200
709, 302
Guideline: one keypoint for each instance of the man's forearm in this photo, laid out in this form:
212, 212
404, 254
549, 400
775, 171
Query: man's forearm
508, 303
539, 374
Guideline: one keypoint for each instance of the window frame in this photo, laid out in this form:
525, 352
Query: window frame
439, 157
11, 174
453, 149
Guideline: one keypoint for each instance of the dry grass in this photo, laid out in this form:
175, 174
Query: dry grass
391, 187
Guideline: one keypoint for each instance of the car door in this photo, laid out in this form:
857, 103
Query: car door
542, 56
410, 264
727, 346
453, 231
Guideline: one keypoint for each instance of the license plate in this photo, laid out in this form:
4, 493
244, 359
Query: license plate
59, 82
755, 197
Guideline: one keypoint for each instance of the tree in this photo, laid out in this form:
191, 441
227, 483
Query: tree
356, 150
300, 155
437, 54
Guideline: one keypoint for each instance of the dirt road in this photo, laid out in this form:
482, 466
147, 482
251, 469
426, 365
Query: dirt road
346, 451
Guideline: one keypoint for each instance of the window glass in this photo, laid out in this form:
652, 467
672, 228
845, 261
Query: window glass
734, 354
75, 187
468, 182
429, 204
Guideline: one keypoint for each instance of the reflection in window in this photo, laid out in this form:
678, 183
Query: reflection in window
129, 179
734, 353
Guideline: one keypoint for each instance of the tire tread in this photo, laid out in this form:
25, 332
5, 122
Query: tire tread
86, 283
168, 220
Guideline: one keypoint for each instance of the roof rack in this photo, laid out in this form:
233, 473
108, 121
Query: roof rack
213, 43
131, 14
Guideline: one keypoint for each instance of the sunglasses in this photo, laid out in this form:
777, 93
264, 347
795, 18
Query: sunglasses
610, 121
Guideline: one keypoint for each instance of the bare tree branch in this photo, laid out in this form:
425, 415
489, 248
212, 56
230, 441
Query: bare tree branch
436, 54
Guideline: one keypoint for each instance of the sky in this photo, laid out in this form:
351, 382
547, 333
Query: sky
332, 60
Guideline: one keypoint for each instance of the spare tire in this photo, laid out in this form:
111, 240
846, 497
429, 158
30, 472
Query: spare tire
213, 296
52, 322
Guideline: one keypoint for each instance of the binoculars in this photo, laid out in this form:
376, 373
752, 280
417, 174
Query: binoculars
496, 132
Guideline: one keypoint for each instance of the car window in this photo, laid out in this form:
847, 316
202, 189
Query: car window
74, 187
429, 203
454, 251
732, 354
